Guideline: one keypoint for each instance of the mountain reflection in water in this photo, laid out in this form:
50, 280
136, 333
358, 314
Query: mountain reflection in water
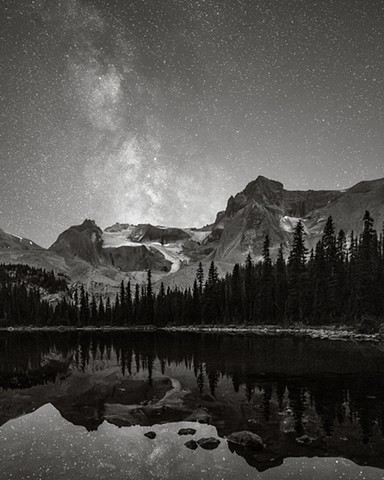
307, 399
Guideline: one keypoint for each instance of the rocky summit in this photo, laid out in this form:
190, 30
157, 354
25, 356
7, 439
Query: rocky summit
265, 207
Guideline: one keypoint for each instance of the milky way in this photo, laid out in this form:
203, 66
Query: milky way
157, 111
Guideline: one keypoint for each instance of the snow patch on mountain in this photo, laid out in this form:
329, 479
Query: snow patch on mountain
118, 239
288, 224
18, 236
197, 235
173, 253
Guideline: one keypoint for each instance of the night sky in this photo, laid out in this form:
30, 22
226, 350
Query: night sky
158, 110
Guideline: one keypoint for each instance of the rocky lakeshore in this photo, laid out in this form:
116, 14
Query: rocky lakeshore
342, 333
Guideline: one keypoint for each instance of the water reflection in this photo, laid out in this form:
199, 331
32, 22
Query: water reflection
42, 445
304, 398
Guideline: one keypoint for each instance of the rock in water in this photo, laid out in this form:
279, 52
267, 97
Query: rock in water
200, 415
186, 431
209, 443
247, 439
150, 435
305, 439
192, 445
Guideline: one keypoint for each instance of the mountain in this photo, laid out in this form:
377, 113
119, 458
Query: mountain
17, 249
81, 241
9, 241
265, 207
102, 258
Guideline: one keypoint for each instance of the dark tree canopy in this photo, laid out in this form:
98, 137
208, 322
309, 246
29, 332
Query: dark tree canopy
340, 281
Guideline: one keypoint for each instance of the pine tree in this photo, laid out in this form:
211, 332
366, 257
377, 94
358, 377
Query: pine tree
368, 262
330, 259
341, 269
123, 305
128, 305
101, 313
196, 304
116, 311
281, 289
329, 242
200, 277
265, 300
237, 312
212, 275
108, 312
211, 307
149, 303
296, 274
160, 307
249, 289
93, 311
320, 281
84, 307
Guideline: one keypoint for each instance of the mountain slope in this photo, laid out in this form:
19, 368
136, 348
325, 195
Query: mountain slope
14, 242
265, 207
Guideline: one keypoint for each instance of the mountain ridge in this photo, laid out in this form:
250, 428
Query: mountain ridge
89, 254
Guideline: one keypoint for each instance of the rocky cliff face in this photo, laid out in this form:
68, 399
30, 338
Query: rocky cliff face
82, 241
85, 242
265, 207
131, 259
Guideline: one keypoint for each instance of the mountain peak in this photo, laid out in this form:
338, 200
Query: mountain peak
89, 224
264, 183
264, 190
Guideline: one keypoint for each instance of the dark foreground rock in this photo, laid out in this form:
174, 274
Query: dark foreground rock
191, 444
305, 439
209, 443
200, 415
252, 448
186, 431
247, 439
150, 435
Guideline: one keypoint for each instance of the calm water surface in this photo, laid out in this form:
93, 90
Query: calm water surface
77, 405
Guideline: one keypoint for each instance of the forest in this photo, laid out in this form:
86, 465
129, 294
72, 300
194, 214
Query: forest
340, 281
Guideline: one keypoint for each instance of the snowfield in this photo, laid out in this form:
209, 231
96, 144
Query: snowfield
118, 239
197, 236
171, 251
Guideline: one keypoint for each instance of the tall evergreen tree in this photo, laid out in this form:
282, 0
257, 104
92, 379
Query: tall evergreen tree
265, 300
296, 274
281, 288
200, 277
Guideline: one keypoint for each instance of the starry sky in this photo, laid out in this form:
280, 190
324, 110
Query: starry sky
158, 110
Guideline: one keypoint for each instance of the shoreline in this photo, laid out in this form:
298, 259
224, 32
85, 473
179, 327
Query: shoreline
342, 333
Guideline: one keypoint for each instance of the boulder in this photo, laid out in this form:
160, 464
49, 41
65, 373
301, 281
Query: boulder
305, 439
209, 443
191, 444
125, 415
186, 431
199, 415
150, 435
247, 439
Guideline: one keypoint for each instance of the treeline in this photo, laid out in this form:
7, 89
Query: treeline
340, 281
38, 277
22, 291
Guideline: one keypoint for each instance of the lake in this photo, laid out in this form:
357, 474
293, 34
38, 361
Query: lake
123, 405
